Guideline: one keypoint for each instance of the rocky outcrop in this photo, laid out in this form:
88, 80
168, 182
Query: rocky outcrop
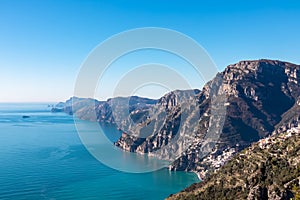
101, 111
290, 119
259, 95
202, 130
162, 123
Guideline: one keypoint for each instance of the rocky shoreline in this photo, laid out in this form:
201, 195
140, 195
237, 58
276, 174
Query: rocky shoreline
252, 113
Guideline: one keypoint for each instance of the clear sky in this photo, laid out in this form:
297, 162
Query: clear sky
43, 43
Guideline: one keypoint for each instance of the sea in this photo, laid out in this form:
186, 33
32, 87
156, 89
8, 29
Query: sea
42, 157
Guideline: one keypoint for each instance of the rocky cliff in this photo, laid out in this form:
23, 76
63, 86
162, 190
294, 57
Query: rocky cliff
101, 111
202, 130
260, 95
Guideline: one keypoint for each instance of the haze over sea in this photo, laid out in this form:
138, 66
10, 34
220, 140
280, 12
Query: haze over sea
42, 158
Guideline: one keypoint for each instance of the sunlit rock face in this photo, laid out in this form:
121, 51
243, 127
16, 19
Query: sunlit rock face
258, 94
201, 130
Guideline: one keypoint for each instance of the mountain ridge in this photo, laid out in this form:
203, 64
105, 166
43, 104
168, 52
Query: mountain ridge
262, 97
251, 114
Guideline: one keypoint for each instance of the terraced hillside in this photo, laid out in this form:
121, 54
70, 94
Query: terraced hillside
268, 169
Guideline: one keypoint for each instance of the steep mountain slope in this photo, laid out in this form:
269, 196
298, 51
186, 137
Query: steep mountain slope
290, 119
269, 169
101, 111
162, 124
258, 94
201, 130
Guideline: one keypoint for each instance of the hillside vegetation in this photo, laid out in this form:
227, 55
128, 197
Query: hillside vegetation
268, 169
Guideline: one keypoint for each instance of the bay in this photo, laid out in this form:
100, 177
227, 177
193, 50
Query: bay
42, 157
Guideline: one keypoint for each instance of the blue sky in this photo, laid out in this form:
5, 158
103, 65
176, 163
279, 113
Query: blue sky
43, 43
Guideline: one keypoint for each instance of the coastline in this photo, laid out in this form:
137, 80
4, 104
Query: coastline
198, 175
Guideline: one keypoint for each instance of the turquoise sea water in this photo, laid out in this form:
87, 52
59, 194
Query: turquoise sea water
42, 157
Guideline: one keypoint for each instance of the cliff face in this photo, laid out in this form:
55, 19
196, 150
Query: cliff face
268, 169
290, 119
161, 124
259, 95
101, 111
202, 130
